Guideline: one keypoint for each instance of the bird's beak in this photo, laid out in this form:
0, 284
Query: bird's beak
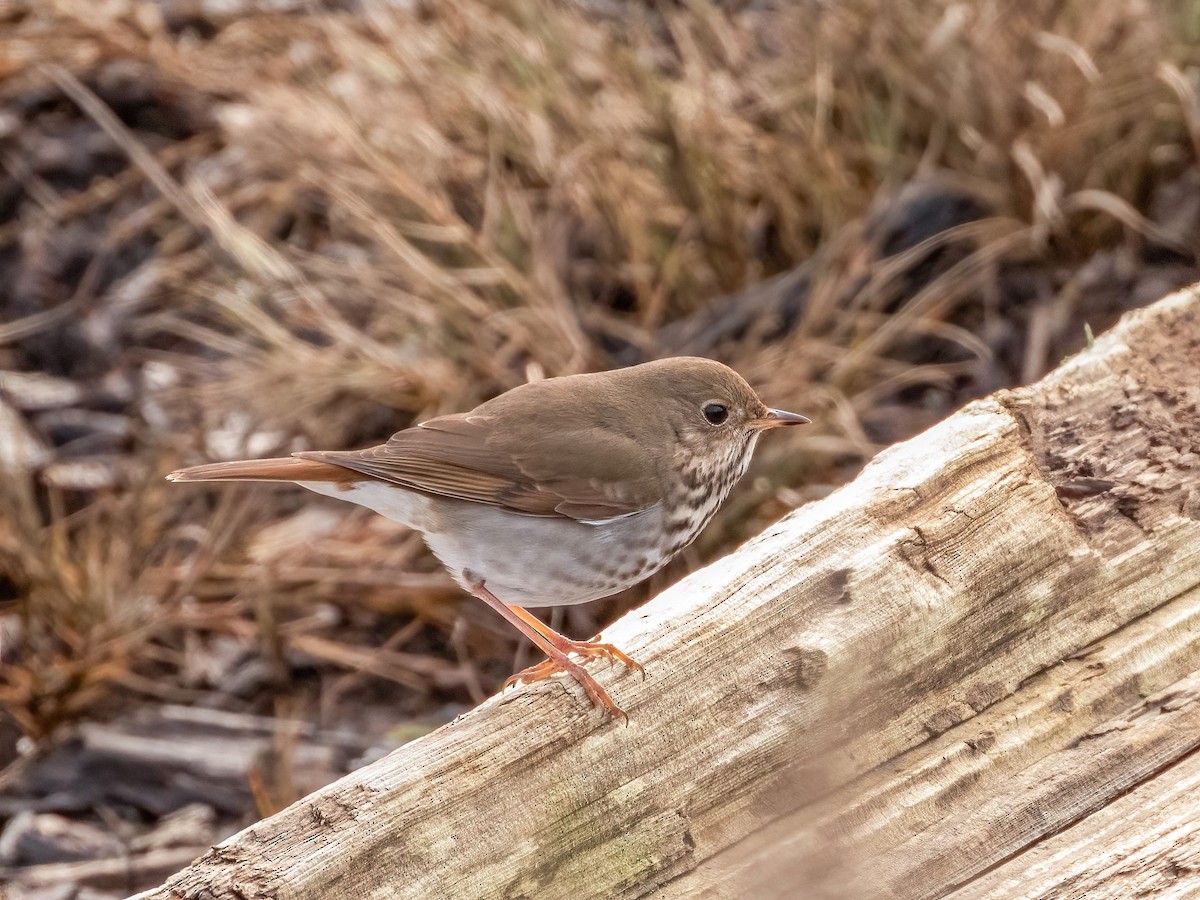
777, 417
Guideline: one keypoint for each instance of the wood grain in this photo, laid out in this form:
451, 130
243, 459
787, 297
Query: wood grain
1145, 844
854, 693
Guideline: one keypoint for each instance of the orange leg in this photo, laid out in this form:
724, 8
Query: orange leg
586, 649
557, 657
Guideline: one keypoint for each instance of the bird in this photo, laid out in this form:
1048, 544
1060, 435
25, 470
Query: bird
556, 492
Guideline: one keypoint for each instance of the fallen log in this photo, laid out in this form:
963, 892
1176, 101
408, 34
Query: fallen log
987, 638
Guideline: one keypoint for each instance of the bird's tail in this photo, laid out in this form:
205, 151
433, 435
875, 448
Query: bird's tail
283, 469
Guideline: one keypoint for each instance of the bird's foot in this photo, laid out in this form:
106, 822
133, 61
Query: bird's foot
588, 649
555, 646
563, 665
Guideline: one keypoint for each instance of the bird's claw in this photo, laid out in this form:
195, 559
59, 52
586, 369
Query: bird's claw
549, 668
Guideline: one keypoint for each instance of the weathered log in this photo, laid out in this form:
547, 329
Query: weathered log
989, 635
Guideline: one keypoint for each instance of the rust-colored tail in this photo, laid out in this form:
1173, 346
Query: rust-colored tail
285, 469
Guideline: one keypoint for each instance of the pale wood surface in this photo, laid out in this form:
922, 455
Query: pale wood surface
1062, 745
894, 689
1143, 844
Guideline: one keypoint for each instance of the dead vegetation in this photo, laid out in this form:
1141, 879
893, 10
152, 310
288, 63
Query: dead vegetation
238, 231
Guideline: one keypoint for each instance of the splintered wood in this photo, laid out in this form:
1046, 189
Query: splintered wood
975, 669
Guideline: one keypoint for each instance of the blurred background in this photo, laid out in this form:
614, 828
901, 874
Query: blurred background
236, 228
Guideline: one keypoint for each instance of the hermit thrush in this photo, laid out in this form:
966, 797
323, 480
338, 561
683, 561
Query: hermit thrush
556, 492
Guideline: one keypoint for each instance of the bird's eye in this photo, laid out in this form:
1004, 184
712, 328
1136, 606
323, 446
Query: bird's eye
716, 413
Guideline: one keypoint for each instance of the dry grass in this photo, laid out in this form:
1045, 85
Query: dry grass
311, 230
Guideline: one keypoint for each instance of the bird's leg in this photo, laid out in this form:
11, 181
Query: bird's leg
586, 649
557, 657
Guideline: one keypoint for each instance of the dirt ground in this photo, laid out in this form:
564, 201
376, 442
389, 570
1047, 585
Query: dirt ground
240, 229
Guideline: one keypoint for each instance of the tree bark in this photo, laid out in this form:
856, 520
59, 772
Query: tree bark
991, 636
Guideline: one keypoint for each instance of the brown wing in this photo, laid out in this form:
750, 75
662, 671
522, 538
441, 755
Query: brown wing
563, 468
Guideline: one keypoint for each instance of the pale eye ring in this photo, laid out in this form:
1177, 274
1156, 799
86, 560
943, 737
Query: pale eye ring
715, 413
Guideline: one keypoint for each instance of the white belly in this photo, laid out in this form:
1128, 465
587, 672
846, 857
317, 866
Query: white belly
536, 561
525, 560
